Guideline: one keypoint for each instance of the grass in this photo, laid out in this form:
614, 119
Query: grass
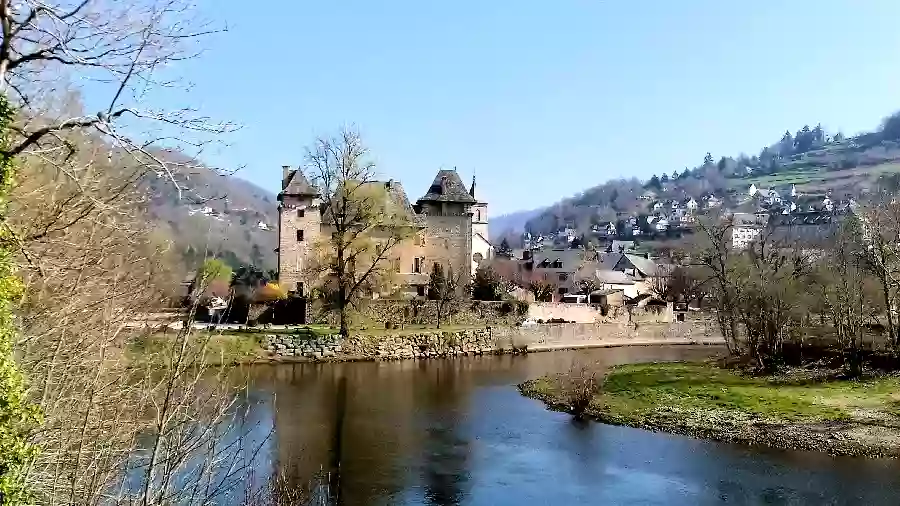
219, 348
643, 390
816, 175
413, 329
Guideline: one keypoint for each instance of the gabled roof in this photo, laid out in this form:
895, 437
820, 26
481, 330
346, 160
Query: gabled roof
614, 277
297, 184
448, 187
483, 238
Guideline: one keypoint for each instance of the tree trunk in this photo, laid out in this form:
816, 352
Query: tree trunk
888, 309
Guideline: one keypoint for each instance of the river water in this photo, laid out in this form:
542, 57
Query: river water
457, 431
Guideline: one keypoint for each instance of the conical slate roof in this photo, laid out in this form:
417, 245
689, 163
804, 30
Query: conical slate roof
297, 184
448, 187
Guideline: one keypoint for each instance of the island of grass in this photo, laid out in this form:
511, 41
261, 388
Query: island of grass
791, 411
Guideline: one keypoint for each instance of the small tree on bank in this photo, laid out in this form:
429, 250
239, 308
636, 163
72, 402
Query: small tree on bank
486, 285
362, 223
444, 290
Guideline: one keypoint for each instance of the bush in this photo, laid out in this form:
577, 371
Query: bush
579, 387
521, 307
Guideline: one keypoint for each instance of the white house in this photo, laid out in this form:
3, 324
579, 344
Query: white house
691, 204
657, 206
662, 225
713, 202
745, 228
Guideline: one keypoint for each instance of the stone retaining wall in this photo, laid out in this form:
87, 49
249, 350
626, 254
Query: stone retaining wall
303, 345
423, 345
436, 343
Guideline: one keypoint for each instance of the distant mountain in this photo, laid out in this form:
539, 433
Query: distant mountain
216, 215
512, 223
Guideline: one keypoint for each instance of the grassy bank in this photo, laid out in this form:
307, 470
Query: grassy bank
702, 400
213, 349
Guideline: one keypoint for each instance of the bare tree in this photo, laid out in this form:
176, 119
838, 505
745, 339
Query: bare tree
714, 254
89, 264
363, 222
123, 49
445, 289
848, 293
881, 230
114, 407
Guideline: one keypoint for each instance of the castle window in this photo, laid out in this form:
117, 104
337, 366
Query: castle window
301, 213
477, 215
417, 265
563, 276
563, 290
299, 235
300, 289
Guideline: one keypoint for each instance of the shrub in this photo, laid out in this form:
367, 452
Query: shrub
521, 307
579, 387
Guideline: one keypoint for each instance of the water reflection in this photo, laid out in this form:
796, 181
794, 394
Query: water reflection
457, 432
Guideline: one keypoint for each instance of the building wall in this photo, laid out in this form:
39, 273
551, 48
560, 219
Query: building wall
448, 241
480, 247
480, 220
743, 236
294, 254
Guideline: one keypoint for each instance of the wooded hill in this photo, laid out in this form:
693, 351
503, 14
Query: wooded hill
217, 215
812, 159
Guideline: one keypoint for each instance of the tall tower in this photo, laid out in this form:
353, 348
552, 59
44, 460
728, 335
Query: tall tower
479, 213
299, 225
482, 250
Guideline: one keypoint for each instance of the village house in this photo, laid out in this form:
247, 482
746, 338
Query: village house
746, 227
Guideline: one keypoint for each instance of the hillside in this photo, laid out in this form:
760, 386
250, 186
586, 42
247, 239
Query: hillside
217, 215
512, 223
814, 161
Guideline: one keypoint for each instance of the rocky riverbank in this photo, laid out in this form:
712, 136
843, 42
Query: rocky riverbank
840, 419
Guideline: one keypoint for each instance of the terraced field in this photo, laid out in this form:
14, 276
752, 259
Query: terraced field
819, 180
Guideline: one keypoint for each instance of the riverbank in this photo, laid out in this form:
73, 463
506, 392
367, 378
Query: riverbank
791, 412
303, 345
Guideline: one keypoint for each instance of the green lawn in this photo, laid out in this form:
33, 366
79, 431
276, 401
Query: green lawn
212, 348
645, 391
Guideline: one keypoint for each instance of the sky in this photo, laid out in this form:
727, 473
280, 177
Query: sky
540, 99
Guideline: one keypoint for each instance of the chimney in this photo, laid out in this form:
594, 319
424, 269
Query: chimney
285, 172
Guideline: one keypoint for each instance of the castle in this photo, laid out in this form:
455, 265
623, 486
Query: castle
451, 230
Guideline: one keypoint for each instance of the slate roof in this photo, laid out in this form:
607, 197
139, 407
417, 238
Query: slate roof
448, 187
747, 220
614, 277
815, 228
646, 266
297, 184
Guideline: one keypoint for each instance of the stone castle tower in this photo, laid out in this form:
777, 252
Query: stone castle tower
454, 225
299, 226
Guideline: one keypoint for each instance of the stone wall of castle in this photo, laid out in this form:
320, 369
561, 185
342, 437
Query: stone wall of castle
448, 241
295, 252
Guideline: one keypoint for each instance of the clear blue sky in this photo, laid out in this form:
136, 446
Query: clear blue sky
542, 99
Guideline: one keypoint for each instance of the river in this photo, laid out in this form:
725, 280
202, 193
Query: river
457, 431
